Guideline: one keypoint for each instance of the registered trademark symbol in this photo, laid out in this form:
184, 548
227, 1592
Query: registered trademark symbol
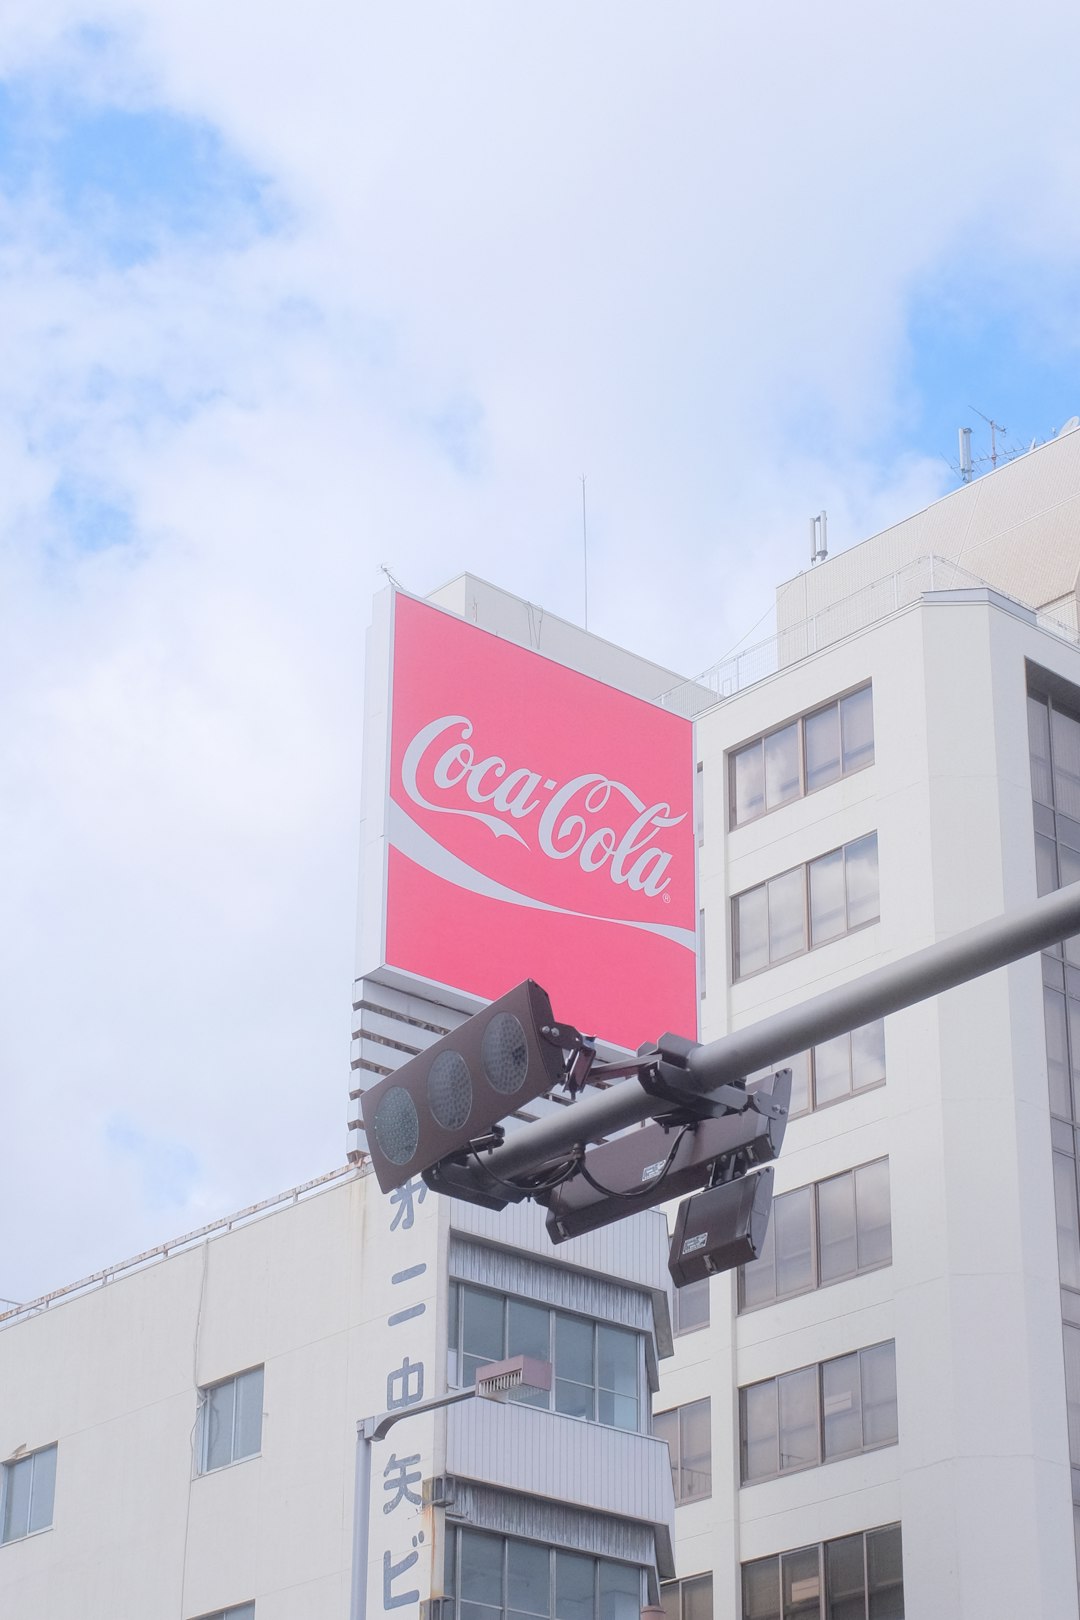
666, 898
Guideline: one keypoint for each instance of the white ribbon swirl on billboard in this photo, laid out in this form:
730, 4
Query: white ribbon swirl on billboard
419, 846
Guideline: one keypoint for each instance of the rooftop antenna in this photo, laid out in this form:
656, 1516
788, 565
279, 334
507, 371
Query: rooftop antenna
585, 550
967, 470
819, 539
995, 429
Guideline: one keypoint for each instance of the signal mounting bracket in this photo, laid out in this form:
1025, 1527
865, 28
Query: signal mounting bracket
665, 1079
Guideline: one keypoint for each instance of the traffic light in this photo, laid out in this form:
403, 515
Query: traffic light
455, 1092
662, 1161
721, 1228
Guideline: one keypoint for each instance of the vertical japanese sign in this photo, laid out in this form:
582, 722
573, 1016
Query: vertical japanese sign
400, 1272
537, 823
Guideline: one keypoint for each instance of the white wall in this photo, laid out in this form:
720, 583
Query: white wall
112, 1376
331, 1295
971, 1296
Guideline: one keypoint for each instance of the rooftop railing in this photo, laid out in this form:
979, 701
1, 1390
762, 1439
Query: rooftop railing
833, 623
189, 1240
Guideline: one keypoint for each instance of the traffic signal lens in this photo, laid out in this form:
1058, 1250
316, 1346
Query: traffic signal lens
457, 1089
450, 1092
397, 1129
504, 1054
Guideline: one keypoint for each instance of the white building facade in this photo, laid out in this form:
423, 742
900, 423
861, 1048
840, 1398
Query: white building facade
881, 1417
179, 1435
900, 1369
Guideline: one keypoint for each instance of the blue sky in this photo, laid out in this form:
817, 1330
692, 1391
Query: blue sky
985, 346
292, 294
123, 184
167, 1170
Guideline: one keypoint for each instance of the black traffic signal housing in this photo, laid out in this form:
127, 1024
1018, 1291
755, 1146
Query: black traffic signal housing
721, 1228
665, 1160
446, 1098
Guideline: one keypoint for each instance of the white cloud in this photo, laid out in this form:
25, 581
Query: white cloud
673, 249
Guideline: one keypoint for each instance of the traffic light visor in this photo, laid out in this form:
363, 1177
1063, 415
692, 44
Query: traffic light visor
444, 1098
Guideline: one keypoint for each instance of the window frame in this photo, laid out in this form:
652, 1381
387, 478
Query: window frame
821, 1549
807, 1061
818, 1281
456, 1355
677, 1590
235, 1611
29, 1460
780, 1383
805, 869
678, 1468
206, 1396
1053, 726
692, 1291
504, 1610
799, 721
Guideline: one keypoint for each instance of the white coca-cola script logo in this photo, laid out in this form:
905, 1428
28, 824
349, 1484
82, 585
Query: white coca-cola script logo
572, 820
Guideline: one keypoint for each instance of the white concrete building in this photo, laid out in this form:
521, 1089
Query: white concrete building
178, 1434
882, 1416
896, 1359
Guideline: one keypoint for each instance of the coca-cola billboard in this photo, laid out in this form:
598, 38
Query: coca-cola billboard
540, 825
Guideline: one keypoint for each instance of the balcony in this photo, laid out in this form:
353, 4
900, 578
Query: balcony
567, 1461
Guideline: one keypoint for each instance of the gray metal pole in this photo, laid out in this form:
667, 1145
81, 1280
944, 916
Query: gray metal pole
925, 973
361, 1523
368, 1430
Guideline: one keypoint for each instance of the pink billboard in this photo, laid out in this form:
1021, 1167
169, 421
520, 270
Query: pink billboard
540, 825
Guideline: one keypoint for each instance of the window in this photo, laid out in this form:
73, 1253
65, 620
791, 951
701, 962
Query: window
818, 1414
835, 1069
1072, 1390
599, 1368
28, 1487
822, 1234
500, 1578
231, 1420
692, 1306
688, 1600
806, 907
801, 756
688, 1432
856, 1577
1054, 741
239, 1611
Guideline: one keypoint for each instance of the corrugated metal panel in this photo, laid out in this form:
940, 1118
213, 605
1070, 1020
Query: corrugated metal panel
634, 1249
514, 1273
557, 1525
564, 1460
